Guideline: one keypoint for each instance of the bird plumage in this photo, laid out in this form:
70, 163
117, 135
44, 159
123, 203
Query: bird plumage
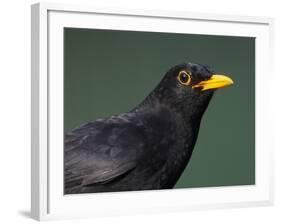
146, 148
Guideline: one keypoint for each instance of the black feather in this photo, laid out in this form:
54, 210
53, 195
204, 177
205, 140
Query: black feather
146, 148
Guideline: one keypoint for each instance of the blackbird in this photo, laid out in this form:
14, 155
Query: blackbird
148, 147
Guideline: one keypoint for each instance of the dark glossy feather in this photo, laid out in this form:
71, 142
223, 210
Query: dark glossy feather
147, 148
98, 153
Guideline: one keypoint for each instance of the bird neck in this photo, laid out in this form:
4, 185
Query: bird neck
191, 111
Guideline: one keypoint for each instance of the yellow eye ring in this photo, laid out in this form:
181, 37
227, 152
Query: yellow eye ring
184, 77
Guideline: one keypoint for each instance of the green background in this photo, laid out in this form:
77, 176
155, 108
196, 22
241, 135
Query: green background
108, 72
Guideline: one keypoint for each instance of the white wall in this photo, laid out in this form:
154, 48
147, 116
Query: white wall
15, 110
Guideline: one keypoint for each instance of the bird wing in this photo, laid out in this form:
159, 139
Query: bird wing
99, 152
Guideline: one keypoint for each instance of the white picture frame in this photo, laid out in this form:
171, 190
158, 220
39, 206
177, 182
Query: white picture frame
48, 201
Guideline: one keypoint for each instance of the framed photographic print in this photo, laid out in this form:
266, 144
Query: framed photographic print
137, 111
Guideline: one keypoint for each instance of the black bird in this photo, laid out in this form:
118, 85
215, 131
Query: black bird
148, 147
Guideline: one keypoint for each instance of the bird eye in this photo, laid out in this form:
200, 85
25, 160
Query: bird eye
184, 77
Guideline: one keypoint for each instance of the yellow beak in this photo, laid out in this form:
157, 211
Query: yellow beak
215, 82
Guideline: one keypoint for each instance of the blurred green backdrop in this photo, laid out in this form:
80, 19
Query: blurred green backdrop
107, 72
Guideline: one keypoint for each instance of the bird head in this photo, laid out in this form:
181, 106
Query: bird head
188, 88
